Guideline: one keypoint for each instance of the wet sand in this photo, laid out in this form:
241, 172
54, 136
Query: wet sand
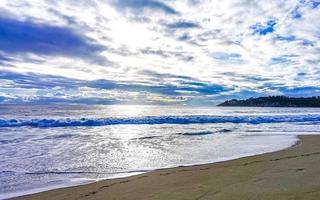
293, 173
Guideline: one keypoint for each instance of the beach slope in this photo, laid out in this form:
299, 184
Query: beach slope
293, 173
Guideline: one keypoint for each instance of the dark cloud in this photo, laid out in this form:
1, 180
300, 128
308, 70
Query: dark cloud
167, 54
288, 38
293, 38
301, 74
296, 14
163, 76
185, 37
37, 81
180, 30
234, 58
292, 90
305, 42
186, 84
123, 50
45, 82
170, 85
4, 58
313, 3
204, 88
245, 77
25, 36
300, 91
69, 19
194, 2
288, 59
57, 100
140, 5
182, 25
225, 56
209, 35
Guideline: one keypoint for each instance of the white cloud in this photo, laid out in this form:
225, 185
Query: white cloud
138, 39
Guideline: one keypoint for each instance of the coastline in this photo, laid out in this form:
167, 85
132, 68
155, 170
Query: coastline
289, 173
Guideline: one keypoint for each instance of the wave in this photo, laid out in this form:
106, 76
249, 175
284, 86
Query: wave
196, 133
147, 137
8, 141
75, 172
62, 136
152, 120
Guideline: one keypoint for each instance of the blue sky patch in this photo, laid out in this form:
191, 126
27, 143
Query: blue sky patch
264, 29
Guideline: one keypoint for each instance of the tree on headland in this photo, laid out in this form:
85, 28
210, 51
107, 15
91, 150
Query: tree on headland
275, 101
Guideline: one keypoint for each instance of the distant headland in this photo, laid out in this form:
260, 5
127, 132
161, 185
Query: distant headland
275, 101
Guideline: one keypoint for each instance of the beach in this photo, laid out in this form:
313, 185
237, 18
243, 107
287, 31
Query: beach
159, 99
292, 173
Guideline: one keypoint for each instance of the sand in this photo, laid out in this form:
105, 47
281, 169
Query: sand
293, 173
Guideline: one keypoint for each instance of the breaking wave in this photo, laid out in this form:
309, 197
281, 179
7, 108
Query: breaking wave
194, 119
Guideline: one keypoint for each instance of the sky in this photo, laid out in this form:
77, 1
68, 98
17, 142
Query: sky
190, 52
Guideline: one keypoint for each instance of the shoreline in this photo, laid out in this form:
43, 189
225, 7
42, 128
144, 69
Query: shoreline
129, 174
126, 174
174, 183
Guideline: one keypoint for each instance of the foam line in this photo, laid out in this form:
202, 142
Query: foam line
195, 119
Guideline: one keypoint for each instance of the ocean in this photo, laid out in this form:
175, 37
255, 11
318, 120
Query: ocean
45, 147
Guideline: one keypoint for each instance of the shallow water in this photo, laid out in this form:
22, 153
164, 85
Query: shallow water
45, 147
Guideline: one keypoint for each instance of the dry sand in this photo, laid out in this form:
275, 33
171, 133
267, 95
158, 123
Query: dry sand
293, 173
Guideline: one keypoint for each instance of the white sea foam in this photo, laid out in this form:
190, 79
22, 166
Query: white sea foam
194, 119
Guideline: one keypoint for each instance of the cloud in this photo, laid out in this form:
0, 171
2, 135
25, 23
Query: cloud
288, 38
37, 81
296, 14
227, 57
5, 60
314, 4
283, 59
293, 38
247, 77
20, 37
154, 51
185, 56
301, 91
182, 25
141, 5
44, 84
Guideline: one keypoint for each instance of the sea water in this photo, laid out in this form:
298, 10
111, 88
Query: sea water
45, 147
